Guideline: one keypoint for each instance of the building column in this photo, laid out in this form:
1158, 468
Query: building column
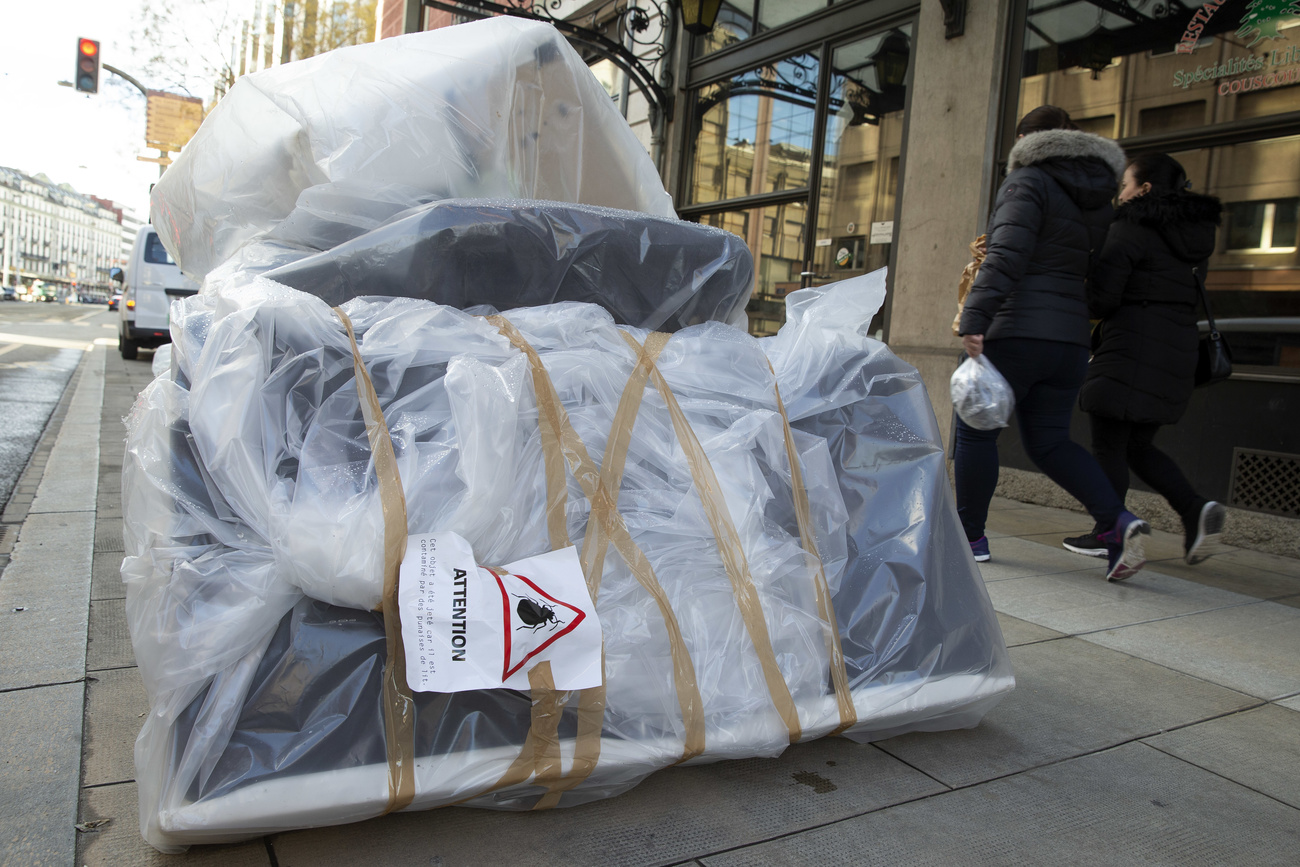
952, 125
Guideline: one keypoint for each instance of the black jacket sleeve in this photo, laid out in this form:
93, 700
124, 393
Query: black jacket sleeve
1013, 235
1119, 256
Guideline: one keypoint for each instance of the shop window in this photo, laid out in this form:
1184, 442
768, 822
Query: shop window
1261, 103
754, 133
1263, 227
1156, 70
739, 20
1146, 64
1104, 125
1165, 118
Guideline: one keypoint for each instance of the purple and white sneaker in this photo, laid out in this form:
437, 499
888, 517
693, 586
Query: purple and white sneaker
1125, 550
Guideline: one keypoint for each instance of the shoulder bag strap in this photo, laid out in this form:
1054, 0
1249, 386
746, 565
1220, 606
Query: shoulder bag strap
1205, 300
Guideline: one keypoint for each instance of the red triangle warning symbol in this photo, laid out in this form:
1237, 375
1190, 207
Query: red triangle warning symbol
532, 619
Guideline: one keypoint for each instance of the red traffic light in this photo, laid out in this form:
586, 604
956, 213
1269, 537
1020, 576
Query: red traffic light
87, 77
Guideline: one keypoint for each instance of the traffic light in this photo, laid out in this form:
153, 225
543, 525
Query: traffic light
87, 77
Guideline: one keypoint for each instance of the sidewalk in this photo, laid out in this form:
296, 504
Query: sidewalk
1155, 721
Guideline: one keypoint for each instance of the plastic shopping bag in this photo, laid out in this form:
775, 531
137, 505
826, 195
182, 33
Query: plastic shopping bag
981, 396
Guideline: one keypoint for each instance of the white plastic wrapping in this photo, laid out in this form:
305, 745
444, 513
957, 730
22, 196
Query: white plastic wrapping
253, 524
981, 395
254, 531
497, 108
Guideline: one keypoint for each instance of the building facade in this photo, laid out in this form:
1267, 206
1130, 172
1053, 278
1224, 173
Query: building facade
51, 234
841, 137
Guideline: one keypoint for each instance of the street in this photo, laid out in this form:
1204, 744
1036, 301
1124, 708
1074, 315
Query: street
40, 347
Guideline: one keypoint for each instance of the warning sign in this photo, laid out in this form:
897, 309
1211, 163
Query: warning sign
468, 627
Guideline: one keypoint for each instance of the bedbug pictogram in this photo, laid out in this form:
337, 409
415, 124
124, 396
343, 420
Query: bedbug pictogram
535, 614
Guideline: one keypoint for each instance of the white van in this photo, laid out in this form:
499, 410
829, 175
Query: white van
151, 283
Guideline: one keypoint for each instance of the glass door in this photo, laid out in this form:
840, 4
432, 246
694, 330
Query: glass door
862, 144
793, 144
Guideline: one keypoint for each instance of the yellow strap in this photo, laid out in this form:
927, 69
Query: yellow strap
803, 514
399, 705
733, 554
591, 702
551, 414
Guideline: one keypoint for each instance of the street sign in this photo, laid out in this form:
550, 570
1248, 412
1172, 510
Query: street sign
171, 120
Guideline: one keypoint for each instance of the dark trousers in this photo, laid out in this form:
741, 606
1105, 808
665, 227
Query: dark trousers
1045, 376
1123, 445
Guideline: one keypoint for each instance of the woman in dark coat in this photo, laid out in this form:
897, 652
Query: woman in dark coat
1027, 310
1146, 292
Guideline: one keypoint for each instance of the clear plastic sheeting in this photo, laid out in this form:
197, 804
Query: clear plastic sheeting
981, 395
501, 108
254, 536
646, 271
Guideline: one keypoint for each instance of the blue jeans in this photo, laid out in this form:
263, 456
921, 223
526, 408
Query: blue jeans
1045, 376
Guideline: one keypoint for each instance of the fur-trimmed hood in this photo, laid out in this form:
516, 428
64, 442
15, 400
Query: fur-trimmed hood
1088, 167
1184, 219
1056, 144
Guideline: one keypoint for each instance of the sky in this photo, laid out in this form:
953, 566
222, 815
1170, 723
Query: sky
88, 141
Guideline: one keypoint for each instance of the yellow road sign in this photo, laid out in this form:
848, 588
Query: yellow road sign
171, 120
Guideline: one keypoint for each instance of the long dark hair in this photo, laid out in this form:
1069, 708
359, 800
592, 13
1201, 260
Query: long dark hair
1164, 173
1044, 117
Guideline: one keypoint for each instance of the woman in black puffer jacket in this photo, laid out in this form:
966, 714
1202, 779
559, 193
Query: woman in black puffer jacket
1028, 311
1145, 290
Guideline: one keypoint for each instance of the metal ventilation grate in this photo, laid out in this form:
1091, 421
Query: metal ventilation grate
1265, 482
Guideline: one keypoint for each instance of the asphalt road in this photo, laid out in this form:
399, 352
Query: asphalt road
40, 347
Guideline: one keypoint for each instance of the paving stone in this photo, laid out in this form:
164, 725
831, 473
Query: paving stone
675, 815
1016, 631
106, 577
1070, 698
119, 842
1263, 560
115, 707
1131, 805
1018, 558
1037, 519
43, 601
1084, 601
1232, 574
1289, 601
1293, 703
1251, 648
1258, 748
108, 537
109, 643
40, 747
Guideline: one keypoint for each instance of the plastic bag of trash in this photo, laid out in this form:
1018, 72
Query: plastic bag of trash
756, 582
981, 396
500, 108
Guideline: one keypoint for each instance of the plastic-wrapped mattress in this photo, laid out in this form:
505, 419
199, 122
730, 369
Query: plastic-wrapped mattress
757, 583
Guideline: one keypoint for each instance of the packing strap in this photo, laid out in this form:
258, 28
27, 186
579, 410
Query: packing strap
803, 515
399, 705
560, 439
733, 553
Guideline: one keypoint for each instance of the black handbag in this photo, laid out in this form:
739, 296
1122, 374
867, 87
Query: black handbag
1213, 356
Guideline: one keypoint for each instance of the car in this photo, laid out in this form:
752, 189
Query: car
8, 293
115, 301
151, 282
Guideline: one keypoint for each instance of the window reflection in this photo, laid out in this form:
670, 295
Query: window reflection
754, 133
1149, 67
863, 143
776, 237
